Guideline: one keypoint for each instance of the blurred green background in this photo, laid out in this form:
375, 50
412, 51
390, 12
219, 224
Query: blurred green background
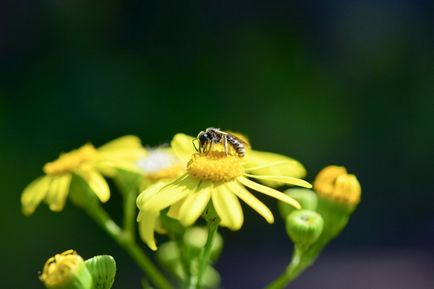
327, 82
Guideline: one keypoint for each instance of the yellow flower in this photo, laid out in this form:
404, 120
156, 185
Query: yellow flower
334, 183
89, 163
217, 176
66, 270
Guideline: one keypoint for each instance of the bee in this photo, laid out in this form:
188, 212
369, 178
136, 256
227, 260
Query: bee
212, 136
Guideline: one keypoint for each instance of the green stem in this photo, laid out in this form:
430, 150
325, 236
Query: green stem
300, 261
205, 254
130, 213
127, 242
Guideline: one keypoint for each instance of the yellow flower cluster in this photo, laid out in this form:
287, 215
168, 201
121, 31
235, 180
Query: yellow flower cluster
178, 177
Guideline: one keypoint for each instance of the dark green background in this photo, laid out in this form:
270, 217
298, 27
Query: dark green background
327, 82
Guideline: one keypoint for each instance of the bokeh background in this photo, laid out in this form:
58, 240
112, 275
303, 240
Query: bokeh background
327, 82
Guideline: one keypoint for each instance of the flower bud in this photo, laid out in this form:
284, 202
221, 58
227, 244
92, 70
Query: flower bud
348, 189
103, 271
66, 270
210, 279
168, 255
338, 196
336, 185
307, 199
304, 227
325, 180
195, 240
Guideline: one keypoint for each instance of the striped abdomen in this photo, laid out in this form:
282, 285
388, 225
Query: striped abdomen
237, 144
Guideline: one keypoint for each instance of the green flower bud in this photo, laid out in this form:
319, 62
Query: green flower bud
194, 241
66, 270
168, 255
307, 199
103, 271
210, 279
304, 227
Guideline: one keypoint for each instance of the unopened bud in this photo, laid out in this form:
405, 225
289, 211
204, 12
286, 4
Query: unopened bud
103, 271
336, 185
195, 240
168, 255
304, 227
307, 199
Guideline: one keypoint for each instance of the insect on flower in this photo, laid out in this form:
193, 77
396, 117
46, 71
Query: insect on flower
211, 136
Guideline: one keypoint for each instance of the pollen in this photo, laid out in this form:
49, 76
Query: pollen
215, 166
67, 162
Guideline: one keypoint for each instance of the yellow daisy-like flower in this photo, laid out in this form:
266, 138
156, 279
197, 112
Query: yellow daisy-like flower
88, 162
220, 177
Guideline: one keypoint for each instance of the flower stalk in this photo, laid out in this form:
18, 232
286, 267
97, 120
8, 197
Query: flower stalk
301, 259
196, 276
130, 213
206, 253
124, 237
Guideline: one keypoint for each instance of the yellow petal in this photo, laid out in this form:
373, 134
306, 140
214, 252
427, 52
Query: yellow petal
269, 192
174, 209
34, 193
128, 141
110, 167
227, 207
122, 153
194, 205
97, 183
170, 194
147, 221
159, 228
149, 192
126, 154
283, 180
59, 189
252, 201
182, 146
265, 163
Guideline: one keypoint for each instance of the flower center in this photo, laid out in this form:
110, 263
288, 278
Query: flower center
215, 166
70, 161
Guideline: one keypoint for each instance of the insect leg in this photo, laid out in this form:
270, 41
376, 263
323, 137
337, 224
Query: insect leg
225, 144
194, 145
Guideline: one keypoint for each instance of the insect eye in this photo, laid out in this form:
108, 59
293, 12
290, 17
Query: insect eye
203, 138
